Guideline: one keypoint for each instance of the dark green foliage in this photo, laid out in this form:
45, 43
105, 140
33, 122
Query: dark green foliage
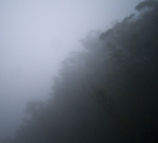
108, 93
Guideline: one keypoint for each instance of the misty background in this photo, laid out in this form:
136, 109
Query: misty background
35, 36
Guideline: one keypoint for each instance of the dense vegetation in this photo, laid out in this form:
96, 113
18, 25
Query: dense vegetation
108, 93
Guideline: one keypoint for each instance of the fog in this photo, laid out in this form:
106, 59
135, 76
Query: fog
35, 36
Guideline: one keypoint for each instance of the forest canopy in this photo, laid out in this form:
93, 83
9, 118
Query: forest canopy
107, 93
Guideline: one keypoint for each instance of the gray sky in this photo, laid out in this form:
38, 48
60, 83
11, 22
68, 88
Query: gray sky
35, 35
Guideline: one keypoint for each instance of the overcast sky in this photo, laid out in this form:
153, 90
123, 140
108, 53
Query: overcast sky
35, 35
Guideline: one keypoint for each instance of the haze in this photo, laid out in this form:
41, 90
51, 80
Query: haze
35, 36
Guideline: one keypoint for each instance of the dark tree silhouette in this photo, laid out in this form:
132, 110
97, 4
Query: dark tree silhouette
107, 93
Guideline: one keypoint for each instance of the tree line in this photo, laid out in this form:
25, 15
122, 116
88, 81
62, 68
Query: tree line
106, 93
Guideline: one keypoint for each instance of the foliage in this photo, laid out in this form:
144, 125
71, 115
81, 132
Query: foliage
147, 5
108, 93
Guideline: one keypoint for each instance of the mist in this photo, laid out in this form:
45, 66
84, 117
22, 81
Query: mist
35, 36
